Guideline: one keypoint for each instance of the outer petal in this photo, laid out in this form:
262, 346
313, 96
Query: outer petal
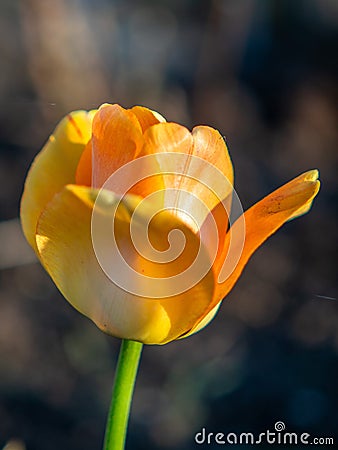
65, 246
147, 117
204, 142
118, 140
84, 170
200, 179
265, 218
210, 145
54, 167
262, 220
204, 322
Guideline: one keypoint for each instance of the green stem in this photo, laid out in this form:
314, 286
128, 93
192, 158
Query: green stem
117, 421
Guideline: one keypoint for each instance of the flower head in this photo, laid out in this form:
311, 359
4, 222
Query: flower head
129, 216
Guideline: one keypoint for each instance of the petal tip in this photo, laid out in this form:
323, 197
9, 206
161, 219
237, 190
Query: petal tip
104, 105
311, 175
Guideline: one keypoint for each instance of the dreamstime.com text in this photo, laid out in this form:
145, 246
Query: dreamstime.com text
278, 436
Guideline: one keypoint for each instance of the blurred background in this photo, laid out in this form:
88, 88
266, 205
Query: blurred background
265, 74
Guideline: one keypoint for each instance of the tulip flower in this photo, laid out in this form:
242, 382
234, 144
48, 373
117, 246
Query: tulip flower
100, 205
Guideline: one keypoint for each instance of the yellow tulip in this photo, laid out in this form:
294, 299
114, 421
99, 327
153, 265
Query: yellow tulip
66, 189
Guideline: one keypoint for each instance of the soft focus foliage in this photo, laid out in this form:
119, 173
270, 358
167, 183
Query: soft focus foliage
265, 74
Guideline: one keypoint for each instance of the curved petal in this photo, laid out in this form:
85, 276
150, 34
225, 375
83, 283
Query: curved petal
54, 167
203, 322
210, 145
66, 250
116, 140
265, 218
167, 137
83, 175
147, 117
214, 229
196, 169
261, 220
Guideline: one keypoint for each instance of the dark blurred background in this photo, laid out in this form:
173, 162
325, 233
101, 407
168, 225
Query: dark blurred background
264, 73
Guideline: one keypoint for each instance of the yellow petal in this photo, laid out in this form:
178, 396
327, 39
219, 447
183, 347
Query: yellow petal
53, 168
203, 322
265, 218
311, 175
66, 250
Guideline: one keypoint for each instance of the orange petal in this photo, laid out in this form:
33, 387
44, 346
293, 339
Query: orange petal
147, 117
84, 169
210, 145
168, 137
65, 244
117, 139
265, 218
54, 167
261, 220
214, 229
195, 182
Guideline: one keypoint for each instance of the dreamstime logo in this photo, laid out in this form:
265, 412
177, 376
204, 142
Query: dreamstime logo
133, 240
278, 436
279, 426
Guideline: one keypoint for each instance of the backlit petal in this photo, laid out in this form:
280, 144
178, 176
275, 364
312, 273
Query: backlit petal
147, 117
117, 139
84, 174
54, 167
198, 168
65, 246
265, 218
210, 145
203, 322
